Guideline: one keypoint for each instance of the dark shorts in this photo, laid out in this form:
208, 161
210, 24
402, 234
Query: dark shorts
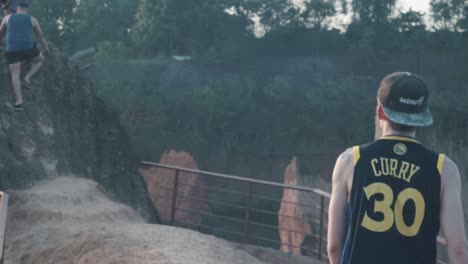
22, 55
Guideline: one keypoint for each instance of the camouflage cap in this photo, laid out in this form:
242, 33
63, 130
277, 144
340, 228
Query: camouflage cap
404, 98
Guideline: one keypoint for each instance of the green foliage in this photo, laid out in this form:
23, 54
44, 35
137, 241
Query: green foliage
446, 13
411, 22
373, 11
183, 26
237, 113
220, 30
112, 51
55, 17
316, 13
102, 21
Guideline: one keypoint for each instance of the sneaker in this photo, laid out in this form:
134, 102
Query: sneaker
18, 107
27, 84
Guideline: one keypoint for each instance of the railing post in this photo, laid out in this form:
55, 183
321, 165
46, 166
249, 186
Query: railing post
174, 197
247, 213
322, 204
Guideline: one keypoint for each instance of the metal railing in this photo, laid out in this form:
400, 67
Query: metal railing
249, 220
3, 217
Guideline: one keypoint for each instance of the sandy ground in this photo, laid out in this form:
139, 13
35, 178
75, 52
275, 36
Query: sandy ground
69, 220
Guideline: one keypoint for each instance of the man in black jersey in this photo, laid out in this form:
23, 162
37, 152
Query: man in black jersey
391, 196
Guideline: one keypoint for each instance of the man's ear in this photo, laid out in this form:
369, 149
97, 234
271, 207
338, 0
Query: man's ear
380, 113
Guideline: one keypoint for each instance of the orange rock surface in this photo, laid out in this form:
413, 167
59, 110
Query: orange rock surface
161, 183
292, 230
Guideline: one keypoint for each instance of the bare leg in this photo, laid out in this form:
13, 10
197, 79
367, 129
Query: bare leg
35, 66
15, 69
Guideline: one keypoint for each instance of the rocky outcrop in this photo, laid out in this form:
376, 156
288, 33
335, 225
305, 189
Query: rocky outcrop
293, 229
66, 130
161, 186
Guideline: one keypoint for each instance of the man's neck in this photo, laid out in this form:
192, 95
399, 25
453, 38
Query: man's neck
391, 132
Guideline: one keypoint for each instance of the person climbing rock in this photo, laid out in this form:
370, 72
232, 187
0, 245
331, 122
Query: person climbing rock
20, 47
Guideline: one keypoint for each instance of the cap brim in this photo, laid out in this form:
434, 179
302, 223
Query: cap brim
418, 120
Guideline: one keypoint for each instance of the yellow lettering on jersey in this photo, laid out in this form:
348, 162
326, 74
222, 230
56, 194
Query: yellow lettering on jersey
374, 163
392, 167
413, 171
384, 166
403, 170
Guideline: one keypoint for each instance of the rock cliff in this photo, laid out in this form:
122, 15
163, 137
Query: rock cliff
65, 129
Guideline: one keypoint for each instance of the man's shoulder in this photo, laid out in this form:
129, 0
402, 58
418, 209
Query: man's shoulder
449, 169
346, 156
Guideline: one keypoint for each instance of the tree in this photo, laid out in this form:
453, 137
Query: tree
316, 12
446, 13
373, 11
183, 26
411, 21
151, 29
55, 17
102, 21
462, 23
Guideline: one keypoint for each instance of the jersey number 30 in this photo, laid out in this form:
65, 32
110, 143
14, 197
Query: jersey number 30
394, 216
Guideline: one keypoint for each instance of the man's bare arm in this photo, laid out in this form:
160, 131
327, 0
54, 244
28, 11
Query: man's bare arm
3, 27
452, 213
342, 174
40, 35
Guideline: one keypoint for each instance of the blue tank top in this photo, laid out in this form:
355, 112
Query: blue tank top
19, 33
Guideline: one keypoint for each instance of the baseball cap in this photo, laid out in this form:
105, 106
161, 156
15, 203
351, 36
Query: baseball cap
404, 98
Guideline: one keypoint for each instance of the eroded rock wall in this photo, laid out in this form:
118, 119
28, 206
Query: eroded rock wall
160, 183
293, 229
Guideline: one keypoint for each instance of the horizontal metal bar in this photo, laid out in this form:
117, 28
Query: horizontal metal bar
210, 201
286, 202
214, 189
265, 239
210, 215
211, 228
237, 178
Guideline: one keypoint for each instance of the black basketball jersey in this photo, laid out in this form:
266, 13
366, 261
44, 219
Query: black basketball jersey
394, 207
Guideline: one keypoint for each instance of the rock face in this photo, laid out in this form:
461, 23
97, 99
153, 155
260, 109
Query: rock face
66, 130
70, 221
292, 229
301, 230
161, 185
